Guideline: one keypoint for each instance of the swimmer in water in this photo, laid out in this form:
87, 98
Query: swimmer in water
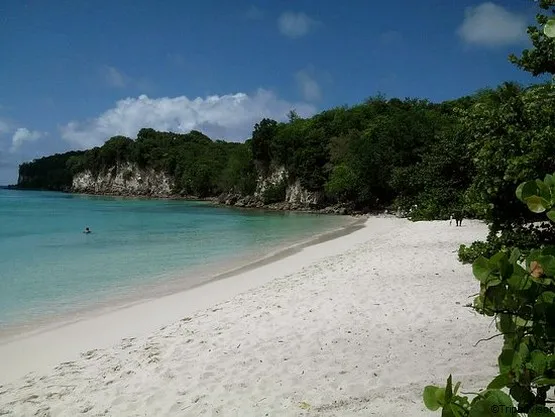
87, 230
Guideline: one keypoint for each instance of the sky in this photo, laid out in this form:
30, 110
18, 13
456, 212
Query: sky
77, 72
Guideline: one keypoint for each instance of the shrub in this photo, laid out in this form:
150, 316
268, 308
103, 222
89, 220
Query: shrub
518, 290
468, 254
524, 237
275, 193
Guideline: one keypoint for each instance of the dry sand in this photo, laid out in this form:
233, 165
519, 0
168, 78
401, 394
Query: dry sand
355, 326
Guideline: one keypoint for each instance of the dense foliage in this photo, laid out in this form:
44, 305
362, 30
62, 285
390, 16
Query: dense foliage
511, 139
514, 141
373, 155
519, 292
48, 173
379, 154
200, 166
427, 158
540, 59
517, 287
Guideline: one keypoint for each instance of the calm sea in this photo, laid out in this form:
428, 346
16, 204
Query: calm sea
49, 267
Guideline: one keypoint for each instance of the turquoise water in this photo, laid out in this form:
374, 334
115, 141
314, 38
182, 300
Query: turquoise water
49, 267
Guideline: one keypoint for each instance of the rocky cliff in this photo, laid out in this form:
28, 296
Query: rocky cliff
125, 180
290, 195
274, 190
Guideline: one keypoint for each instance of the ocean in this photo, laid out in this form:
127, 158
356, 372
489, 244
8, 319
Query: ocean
50, 268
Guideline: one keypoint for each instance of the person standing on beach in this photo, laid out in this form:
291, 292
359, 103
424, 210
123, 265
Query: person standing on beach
459, 217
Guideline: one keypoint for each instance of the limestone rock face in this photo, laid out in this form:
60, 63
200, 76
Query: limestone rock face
130, 180
125, 179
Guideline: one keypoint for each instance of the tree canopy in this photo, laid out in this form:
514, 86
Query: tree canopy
382, 153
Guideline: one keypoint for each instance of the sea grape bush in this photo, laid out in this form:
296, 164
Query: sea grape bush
525, 237
517, 288
518, 291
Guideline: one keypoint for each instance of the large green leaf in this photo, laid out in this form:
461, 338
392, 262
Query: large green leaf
518, 191
481, 268
537, 204
505, 323
549, 28
526, 190
505, 360
493, 403
523, 348
434, 397
500, 381
544, 191
538, 362
551, 215
521, 394
547, 262
547, 297
515, 256
448, 411
522, 322
519, 279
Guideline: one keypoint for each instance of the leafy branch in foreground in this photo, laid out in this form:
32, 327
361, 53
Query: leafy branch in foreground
519, 292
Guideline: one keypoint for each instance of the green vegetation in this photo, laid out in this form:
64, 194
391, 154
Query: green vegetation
374, 155
48, 173
432, 159
274, 193
519, 292
428, 158
200, 166
516, 265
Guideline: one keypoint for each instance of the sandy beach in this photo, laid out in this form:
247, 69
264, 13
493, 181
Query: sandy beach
354, 326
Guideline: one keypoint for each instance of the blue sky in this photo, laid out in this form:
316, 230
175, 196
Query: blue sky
75, 73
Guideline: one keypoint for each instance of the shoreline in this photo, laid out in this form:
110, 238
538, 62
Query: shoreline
344, 327
197, 276
332, 210
25, 333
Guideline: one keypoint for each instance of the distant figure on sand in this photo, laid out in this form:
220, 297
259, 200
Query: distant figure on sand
458, 217
451, 220
87, 230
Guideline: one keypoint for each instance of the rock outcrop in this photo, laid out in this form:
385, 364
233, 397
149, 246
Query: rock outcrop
295, 198
124, 180
130, 180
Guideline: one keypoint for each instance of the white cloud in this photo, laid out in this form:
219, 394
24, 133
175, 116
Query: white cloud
23, 135
229, 117
309, 87
295, 25
491, 25
114, 77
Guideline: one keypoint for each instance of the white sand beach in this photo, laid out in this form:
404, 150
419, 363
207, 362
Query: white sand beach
354, 326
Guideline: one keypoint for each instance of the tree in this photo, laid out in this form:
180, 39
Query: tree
342, 184
518, 291
262, 138
292, 116
239, 175
516, 288
541, 58
54, 172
